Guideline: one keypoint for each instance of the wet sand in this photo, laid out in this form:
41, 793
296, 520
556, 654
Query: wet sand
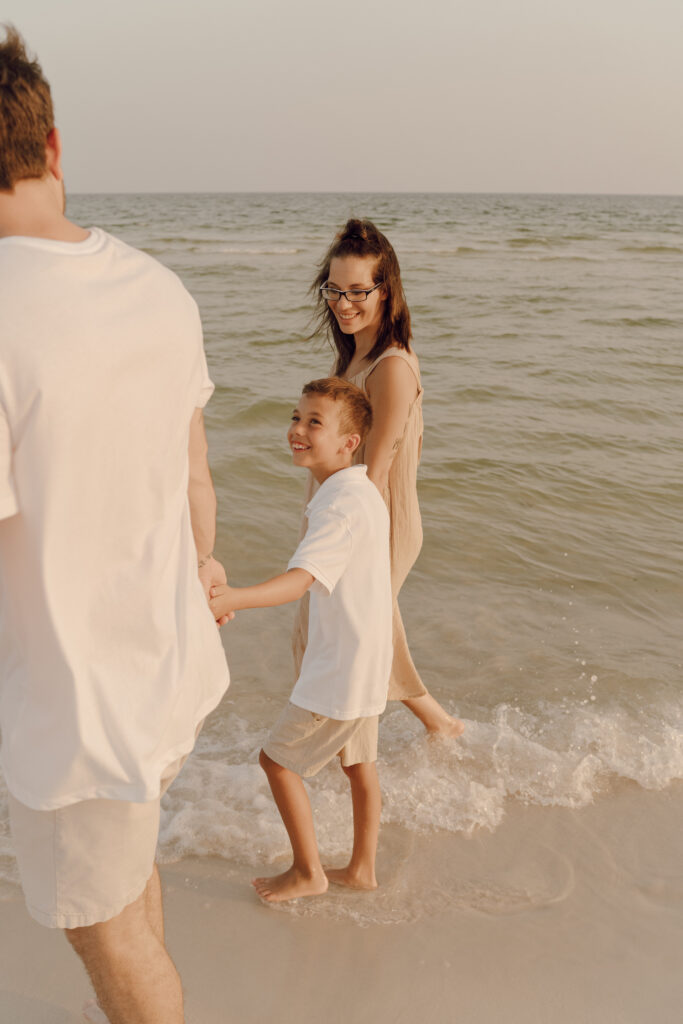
558, 917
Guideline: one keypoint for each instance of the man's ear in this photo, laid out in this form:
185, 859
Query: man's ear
53, 154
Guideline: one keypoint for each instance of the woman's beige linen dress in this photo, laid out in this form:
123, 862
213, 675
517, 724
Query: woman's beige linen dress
405, 532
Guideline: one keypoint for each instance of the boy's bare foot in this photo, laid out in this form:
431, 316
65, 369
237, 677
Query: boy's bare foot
435, 719
352, 879
290, 885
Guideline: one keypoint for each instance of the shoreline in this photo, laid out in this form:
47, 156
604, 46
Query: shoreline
566, 916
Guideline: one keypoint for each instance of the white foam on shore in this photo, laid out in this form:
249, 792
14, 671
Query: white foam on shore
561, 755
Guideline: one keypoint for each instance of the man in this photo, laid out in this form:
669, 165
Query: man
109, 656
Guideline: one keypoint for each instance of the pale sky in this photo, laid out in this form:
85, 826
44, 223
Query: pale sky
308, 95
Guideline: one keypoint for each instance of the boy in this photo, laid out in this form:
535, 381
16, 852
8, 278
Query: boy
342, 687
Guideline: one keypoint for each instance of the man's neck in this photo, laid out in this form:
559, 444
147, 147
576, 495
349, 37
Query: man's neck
34, 209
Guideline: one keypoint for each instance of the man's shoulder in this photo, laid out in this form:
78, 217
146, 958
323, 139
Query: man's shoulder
147, 268
134, 252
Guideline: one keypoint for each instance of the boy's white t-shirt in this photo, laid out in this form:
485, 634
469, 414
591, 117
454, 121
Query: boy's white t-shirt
109, 655
347, 662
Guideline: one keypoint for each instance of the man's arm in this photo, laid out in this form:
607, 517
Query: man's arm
202, 499
288, 586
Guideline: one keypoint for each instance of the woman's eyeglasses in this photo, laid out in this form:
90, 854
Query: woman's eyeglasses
352, 295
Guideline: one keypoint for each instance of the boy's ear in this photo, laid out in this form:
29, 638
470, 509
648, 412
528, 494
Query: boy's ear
351, 443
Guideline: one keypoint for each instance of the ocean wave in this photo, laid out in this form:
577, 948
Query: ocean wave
212, 245
460, 250
558, 755
667, 250
569, 258
261, 411
531, 240
241, 250
629, 321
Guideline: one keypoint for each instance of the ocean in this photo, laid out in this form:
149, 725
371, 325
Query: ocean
545, 608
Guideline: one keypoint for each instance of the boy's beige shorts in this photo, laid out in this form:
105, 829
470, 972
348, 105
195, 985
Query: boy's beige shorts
85, 863
305, 742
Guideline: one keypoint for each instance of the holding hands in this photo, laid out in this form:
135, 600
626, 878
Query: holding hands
222, 601
211, 575
225, 600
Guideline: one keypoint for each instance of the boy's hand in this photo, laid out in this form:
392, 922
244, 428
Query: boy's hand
212, 572
221, 603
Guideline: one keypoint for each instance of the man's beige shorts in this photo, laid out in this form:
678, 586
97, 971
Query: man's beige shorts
305, 742
87, 862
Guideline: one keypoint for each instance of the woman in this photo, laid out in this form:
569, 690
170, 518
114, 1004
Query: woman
362, 306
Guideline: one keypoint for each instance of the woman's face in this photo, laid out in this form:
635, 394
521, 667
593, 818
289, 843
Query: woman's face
351, 273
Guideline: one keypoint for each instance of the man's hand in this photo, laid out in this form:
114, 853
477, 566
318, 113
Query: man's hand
211, 574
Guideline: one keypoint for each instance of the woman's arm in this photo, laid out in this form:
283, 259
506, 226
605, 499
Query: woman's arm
392, 388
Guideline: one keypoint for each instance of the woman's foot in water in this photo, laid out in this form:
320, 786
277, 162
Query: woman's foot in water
435, 719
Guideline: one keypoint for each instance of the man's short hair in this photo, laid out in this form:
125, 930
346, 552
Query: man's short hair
356, 412
26, 113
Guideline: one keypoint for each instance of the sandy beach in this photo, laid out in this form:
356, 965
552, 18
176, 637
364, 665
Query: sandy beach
569, 917
525, 169
530, 872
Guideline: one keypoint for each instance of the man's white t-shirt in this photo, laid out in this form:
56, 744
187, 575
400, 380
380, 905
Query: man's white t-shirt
347, 662
109, 655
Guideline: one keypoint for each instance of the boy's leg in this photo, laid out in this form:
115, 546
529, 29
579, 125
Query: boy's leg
306, 876
367, 806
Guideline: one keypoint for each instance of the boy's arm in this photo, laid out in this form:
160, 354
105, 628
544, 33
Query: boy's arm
288, 586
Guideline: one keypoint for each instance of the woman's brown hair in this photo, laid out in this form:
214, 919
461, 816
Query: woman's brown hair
362, 238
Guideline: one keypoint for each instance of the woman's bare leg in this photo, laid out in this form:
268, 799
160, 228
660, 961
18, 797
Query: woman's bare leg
435, 719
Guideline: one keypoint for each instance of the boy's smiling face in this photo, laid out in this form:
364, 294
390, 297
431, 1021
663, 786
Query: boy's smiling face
316, 437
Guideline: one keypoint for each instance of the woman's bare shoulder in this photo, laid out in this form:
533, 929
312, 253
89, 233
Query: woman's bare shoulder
401, 372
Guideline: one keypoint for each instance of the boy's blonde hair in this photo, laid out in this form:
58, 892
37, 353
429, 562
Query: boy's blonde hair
355, 416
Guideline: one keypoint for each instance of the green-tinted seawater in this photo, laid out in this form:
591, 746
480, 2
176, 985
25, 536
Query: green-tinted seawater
546, 605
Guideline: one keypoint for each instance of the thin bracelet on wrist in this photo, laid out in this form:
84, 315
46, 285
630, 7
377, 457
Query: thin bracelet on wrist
202, 562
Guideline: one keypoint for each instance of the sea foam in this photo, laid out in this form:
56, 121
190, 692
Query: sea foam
561, 755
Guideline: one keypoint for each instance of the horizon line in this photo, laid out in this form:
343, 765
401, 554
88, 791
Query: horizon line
368, 192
